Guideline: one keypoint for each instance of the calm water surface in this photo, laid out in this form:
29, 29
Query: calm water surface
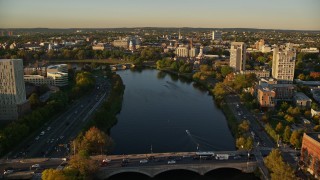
157, 110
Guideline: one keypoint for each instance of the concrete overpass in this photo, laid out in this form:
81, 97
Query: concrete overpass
200, 168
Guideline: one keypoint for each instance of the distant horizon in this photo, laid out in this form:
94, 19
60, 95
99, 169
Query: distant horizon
271, 14
133, 27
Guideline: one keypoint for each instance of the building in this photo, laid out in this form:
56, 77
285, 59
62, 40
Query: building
57, 68
310, 153
310, 50
38, 80
266, 97
301, 100
122, 43
182, 51
13, 100
283, 64
259, 74
284, 92
216, 36
57, 75
238, 56
265, 49
99, 46
59, 78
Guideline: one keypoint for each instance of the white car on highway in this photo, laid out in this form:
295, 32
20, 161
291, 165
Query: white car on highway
143, 161
171, 162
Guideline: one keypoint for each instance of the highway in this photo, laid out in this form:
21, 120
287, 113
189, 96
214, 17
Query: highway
53, 139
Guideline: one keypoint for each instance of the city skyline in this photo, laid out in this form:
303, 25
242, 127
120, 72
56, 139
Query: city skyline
294, 14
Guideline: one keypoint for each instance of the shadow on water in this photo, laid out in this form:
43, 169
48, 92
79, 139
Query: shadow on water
225, 173
161, 75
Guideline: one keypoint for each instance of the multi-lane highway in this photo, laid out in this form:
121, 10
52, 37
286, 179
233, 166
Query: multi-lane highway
53, 139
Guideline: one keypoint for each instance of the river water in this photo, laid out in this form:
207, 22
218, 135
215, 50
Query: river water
157, 110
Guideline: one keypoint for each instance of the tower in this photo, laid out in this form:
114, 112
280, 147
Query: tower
12, 91
238, 56
180, 37
283, 64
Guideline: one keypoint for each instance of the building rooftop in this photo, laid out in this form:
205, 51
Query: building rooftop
301, 96
56, 66
315, 136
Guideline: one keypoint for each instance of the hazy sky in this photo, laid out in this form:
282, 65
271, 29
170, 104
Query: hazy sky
271, 14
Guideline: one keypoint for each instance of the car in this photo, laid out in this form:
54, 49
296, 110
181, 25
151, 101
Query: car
37, 138
48, 129
171, 162
125, 160
237, 157
42, 133
9, 171
35, 166
61, 137
143, 161
106, 160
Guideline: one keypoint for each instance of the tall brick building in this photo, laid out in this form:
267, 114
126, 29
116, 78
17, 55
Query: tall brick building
310, 153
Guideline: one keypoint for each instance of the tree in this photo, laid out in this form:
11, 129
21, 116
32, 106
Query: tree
240, 142
295, 139
279, 127
97, 140
53, 174
83, 164
287, 134
225, 70
219, 91
284, 106
244, 126
279, 169
34, 100
316, 128
301, 77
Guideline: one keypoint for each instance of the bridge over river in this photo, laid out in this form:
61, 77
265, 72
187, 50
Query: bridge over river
159, 163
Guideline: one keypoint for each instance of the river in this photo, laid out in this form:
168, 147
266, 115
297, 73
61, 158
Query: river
157, 110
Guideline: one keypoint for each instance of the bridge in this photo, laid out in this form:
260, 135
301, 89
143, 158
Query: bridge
184, 161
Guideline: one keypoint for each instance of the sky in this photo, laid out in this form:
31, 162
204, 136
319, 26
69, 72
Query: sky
262, 14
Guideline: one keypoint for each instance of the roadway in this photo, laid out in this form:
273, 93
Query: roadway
21, 168
53, 139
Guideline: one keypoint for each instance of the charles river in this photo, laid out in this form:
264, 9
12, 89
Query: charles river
158, 109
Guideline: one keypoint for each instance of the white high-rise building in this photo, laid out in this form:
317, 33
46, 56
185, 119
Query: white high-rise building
12, 89
283, 64
216, 35
238, 56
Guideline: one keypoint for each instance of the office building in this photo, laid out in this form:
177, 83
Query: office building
238, 56
283, 64
13, 100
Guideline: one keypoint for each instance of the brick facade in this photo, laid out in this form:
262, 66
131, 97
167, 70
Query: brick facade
310, 153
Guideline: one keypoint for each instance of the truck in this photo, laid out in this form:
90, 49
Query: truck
222, 156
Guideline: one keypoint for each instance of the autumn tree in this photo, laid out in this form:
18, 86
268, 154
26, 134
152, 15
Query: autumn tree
84, 164
279, 127
287, 134
96, 140
53, 174
244, 126
279, 169
295, 139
